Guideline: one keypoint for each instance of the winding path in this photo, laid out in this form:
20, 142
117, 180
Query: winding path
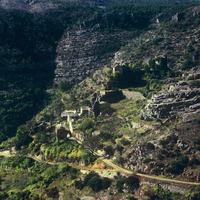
150, 177
115, 168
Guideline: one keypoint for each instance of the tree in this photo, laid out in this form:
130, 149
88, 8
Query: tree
2, 137
194, 194
22, 137
161, 194
88, 123
96, 183
120, 184
177, 166
133, 182
129, 76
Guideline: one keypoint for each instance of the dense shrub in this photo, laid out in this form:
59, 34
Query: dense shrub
3, 195
120, 184
22, 195
129, 76
140, 75
51, 173
177, 166
109, 150
96, 183
194, 194
157, 68
132, 182
87, 123
22, 137
64, 86
159, 193
2, 137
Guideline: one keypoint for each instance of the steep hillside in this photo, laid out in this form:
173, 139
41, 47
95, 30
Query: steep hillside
48, 5
27, 61
122, 117
81, 52
29, 57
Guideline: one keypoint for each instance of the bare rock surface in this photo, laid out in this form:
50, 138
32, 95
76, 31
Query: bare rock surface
81, 52
181, 98
45, 5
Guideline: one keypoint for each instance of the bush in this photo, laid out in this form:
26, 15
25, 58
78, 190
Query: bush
160, 194
157, 68
22, 195
109, 150
194, 195
130, 76
177, 166
133, 182
2, 137
106, 109
51, 173
79, 184
87, 123
120, 184
3, 195
64, 87
88, 158
22, 137
96, 183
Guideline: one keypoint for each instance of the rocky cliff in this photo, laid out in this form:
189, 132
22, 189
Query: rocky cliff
81, 52
178, 40
178, 99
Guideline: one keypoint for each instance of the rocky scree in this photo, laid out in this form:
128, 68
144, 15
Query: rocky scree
81, 52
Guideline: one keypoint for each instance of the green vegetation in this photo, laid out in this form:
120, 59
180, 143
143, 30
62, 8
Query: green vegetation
69, 151
95, 182
22, 137
27, 57
131, 183
147, 76
27, 65
177, 166
87, 124
27, 60
23, 177
129, 77
161, 194
194, 194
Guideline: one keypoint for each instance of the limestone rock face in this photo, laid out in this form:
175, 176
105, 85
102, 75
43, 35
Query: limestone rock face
45, 5
81, 52
182, 98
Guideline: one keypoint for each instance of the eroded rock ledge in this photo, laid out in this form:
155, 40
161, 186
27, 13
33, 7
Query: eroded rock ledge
181, 98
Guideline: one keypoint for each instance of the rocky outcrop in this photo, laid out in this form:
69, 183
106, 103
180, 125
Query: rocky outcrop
181, 48
43, 5
181, 98
47, 5
81, 52
29, 5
